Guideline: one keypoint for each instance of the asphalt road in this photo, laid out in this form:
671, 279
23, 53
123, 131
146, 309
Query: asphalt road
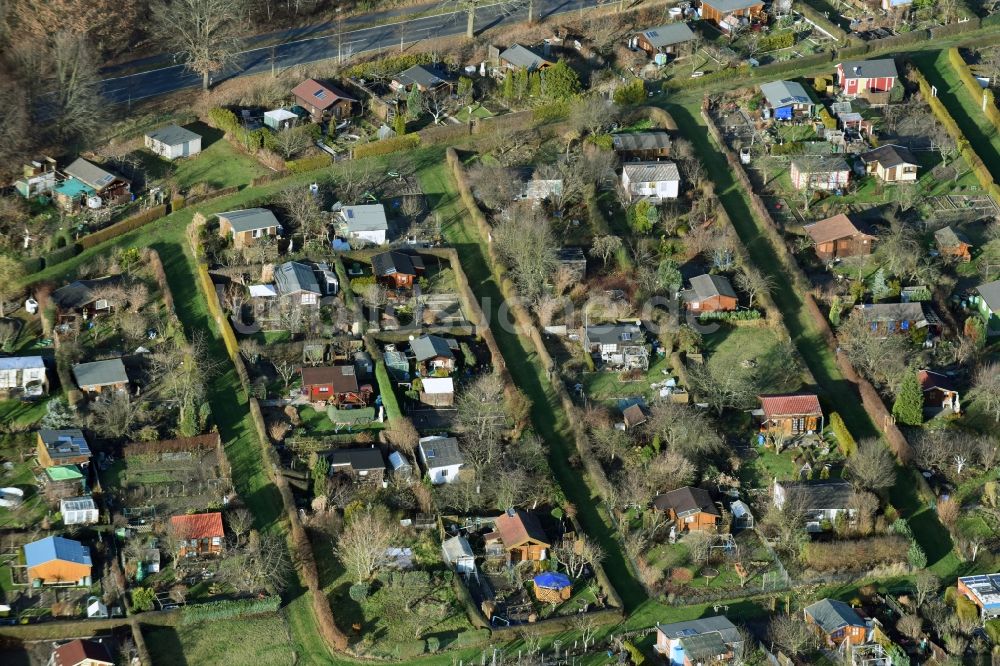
299, 50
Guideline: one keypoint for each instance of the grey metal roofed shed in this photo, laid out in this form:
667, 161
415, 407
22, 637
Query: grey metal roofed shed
651, 172
522, 56
420, 75
831, 615
784, 93
430, 346
718, 623
606, 334
68, 442
360, 460
668, 35
726, 6
21, 363
816, 496
709, 286
441, 452
80, 293
870, 69
990, 292
250, 219
173, 135
89, 173
293, 276
640, 140
366, 217
397, 261
100, 373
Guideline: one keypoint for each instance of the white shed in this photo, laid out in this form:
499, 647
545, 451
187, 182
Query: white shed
442, 458
458, 553
78, 511
172, 142
280, 119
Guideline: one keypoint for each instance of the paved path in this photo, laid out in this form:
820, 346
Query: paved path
299, 48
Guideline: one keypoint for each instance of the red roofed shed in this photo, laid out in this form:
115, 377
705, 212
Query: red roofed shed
81, 653
521, 536
198, 534
791, 414
320, 99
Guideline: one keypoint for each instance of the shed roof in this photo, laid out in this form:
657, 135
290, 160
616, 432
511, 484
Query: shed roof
425, 77
870, 69
22, 363
727, 6
717, 623
641, 140
668, 35
100, 373
293, 276
784, 93
704, 648
250, 219
64, 473
359, 460
79, 293
364, 217
831, 615
77, 504
947, 237
825, 495
438, 451
79, 651
89, 174
56, 548
990, 293
522, 56
173, 135
793, 404
516, 527
397, 262
686, 501
651, 172
322, 95
198, 525
607, 334
832, 228
709, 286
885, 312
68, 442
821, 165
456, 548
889, 156
430, 346
935, 380
438, 385
343, 378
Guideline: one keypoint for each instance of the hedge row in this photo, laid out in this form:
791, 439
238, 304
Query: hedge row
389, 401
975, 90
222, 610
128, 224
845, 440
822, 21
731, 315
308, 164
856, 554
387, 146
982, 173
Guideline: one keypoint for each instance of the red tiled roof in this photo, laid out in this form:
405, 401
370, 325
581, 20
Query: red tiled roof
790, 405
832, 228
929, 380
518, 528
320, 95
341, 377
198, 525
77, 651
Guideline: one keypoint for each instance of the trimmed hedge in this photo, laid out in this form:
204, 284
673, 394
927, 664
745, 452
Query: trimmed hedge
119, 228
389, 401
387, 146
845, 440
222, 610
976, 90
62, 254
309, 163
822, 21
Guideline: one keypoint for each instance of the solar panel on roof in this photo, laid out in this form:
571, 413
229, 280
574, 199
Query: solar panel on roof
350, 214
320, 94
653, 33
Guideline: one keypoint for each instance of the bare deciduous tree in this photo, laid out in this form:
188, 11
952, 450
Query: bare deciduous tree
363, 543
872, 467
579, 554
482, 419
986, 389
204, 32
793, 635
526, 243
77, 108
263, 565
754, 282
604, 247
925, 584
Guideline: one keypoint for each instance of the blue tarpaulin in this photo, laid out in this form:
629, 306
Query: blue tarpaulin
783, 113
552, 580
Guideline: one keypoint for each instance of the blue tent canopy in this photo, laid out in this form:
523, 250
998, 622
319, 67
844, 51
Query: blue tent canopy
552, 580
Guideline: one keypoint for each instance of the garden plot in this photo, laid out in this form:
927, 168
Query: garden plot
172, 476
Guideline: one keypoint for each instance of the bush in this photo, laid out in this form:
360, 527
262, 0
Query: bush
387, 146
143, 598
602, 141
60, 255
845, 441
391, 65
358, 592
732, 315
221, 610
966, 609
634, 653
856, 554
309, 163
781, 40
631, 93
915, 556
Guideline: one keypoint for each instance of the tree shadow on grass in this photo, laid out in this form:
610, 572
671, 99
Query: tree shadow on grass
165, 643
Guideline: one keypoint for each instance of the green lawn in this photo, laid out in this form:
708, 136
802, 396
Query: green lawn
478, 111
732, 346
20, 413
608, 387
218, 165
966, 111
833, 387
245, 641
